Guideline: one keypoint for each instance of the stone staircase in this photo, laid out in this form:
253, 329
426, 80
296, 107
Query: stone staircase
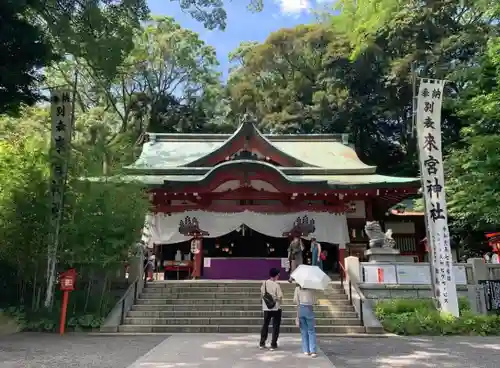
229, 307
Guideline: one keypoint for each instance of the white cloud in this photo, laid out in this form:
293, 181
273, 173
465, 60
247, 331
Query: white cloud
295, 7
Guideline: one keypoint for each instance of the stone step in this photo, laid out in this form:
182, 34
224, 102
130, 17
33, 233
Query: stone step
227, 287
149, 294
234, 321
159, 301
234, 329
232, 307
291, 313
220, 283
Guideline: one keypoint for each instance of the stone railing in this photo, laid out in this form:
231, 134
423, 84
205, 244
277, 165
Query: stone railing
493, 271
404, 273
392, 280
389, 280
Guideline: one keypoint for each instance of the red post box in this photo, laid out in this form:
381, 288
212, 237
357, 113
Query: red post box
67, 280
67, 283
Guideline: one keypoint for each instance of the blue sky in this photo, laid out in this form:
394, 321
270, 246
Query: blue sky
243, 25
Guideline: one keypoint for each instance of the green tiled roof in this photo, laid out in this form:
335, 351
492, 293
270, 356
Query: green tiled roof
168, 154
166, 151
334, 181
323, 153
326, 160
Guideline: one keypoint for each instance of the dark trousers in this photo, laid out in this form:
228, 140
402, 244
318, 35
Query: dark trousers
276, 317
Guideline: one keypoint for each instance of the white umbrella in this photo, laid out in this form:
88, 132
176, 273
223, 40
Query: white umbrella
310, 277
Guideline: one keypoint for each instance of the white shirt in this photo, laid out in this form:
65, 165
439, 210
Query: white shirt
274, 289
304, 297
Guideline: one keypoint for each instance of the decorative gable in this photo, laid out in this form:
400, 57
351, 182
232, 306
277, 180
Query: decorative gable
248, 143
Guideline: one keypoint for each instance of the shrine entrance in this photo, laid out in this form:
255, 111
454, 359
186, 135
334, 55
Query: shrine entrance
231, 249
246, 243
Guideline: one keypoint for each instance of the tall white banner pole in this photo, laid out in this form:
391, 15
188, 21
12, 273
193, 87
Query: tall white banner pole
428, 125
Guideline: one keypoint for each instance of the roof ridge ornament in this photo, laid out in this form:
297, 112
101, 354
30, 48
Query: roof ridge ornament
247, 118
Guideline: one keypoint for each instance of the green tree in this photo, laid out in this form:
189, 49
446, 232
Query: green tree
211, 12
167, 83
302, 80
102, 221
473, 166
20, 71
35, 32
441, 39
174, 77
24, 208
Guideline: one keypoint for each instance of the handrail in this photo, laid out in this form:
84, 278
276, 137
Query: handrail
362, 298
117, 314
125, 296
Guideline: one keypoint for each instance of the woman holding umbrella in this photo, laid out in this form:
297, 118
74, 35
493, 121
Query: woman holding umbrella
305, 300
308, 279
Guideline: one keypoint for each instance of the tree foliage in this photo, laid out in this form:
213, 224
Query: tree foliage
20, 72
475, 162
302, 80
101, 222
167, 83
34, 33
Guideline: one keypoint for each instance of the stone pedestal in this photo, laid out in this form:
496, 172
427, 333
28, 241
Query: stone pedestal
382, 254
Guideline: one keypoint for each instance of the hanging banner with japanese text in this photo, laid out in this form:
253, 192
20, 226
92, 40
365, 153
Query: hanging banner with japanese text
428, 125
60, 145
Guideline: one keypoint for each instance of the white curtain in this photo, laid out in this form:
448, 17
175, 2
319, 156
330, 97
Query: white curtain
164, 229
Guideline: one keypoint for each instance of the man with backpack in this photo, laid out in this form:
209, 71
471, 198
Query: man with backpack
272, 296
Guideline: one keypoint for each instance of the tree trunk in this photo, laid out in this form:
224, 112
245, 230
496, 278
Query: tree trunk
33, 292
103, 293
87, 294
39, 297
51, 283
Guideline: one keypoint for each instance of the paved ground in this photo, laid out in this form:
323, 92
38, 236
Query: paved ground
34, 350
415, 352
233, 351
221, 351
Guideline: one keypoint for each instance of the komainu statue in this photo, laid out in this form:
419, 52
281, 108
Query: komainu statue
377, 237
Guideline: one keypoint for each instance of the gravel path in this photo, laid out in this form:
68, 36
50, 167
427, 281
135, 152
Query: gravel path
34, 350
415, 352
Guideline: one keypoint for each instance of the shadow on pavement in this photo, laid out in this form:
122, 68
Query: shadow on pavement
417, 352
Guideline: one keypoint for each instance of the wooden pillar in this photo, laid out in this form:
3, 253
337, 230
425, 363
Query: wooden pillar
342, 256
197, 264
369, 209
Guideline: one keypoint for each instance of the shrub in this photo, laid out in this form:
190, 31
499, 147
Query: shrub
49, 322
420, 317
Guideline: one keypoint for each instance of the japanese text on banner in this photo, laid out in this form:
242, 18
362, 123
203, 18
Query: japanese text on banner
429, 104
60, 144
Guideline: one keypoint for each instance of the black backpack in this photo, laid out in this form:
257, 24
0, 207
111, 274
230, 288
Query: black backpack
268, 298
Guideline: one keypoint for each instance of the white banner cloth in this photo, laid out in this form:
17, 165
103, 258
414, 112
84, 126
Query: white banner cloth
164, 229
430, 96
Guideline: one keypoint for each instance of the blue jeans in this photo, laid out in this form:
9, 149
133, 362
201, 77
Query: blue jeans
307, 330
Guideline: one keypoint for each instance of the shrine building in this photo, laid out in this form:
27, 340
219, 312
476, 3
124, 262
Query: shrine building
235, 200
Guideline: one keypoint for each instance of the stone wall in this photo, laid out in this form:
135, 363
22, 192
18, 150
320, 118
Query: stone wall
377, 291
397, 290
